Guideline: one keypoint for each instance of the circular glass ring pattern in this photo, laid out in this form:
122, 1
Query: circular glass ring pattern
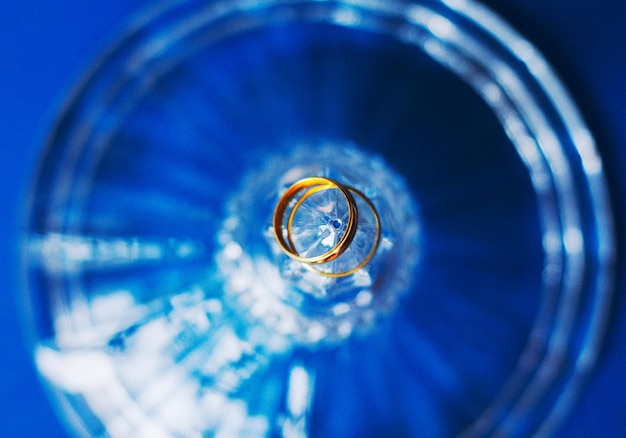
133, 329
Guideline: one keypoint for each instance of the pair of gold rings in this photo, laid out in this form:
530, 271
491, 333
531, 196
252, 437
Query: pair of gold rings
310, 186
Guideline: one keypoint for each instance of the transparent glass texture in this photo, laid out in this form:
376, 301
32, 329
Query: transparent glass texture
153, 198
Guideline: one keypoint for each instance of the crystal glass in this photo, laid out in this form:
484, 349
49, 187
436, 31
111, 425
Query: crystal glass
163, 306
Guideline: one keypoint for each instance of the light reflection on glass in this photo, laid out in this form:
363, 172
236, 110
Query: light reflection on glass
165, 307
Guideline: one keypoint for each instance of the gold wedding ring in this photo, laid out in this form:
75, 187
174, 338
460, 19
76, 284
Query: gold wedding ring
314, 185
279, 219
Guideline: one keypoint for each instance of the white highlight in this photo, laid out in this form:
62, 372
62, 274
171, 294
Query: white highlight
299, 391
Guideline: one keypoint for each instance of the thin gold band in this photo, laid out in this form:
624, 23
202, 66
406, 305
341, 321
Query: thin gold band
372, 251
312, 184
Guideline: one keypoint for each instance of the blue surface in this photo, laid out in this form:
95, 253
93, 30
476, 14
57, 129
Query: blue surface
45, 45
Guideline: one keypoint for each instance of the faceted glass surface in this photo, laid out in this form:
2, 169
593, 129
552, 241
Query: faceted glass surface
163, 305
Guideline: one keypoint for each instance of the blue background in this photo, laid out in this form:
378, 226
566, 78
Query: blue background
45, 45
